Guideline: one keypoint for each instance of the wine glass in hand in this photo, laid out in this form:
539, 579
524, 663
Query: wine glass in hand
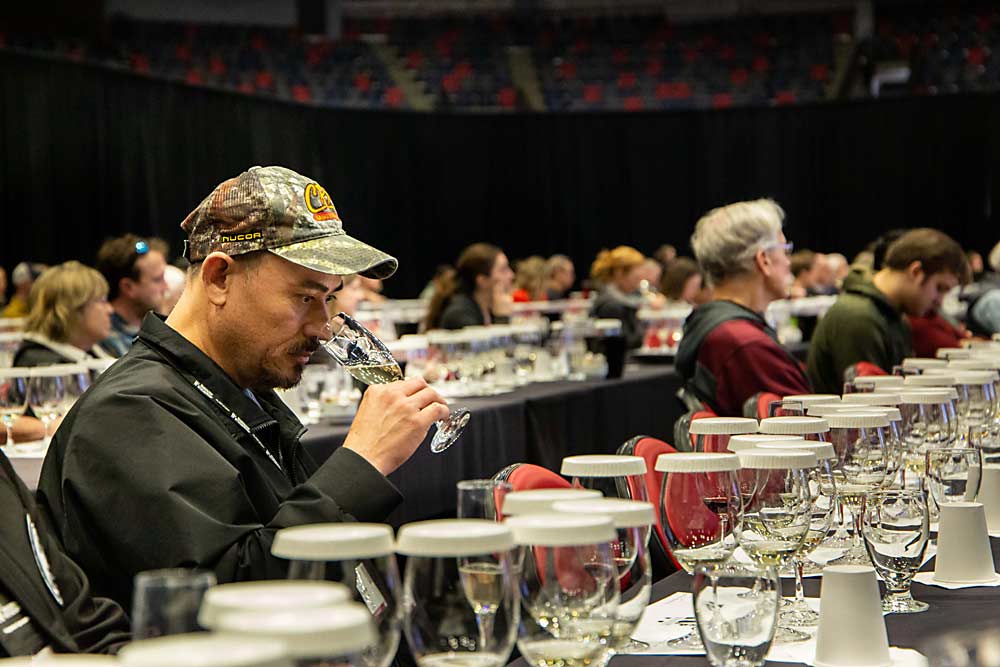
367, 358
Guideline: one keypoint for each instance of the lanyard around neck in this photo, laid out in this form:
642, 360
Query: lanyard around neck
237, 419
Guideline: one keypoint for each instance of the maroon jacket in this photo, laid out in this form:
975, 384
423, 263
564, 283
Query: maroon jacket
729, 353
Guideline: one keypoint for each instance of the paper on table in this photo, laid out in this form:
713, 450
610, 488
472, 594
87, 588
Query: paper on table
927, 579
659, 625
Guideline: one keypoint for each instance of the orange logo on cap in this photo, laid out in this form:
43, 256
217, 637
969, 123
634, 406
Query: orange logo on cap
319, 203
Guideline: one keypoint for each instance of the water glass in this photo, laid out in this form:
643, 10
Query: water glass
166, 602
736, 611
481, 498
896, 527
954, 475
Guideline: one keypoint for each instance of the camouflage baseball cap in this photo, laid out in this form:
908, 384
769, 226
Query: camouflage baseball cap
279, 210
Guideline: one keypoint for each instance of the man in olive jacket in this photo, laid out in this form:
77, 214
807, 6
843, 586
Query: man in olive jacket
181, 454
866, 323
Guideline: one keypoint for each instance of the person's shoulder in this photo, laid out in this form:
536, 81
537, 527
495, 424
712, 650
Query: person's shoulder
739, 332
31, 353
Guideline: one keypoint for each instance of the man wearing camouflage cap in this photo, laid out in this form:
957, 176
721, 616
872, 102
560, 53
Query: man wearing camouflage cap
181, 454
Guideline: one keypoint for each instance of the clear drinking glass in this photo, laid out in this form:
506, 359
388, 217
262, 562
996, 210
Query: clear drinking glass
736, 611
954, 475
368, 360
360, 556
460, 591
13, 399
896, 527
481, 498
166, 602
569, 589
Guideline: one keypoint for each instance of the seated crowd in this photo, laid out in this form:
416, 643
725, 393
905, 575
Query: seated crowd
215, 467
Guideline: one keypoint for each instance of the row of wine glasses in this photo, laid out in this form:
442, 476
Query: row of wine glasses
49, 391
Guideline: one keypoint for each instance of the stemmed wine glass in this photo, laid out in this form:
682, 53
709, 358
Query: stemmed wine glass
778, 516
569, 588
360, 556
13, 398
862, 466
736, 610
700, 506
954, 475
47, 395
823, 491
368, 360
632, 519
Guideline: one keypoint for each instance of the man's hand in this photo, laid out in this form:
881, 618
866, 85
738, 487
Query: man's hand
26, 429
392, 421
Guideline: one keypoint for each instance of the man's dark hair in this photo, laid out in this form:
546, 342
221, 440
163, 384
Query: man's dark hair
802, 261
880, 246
936, 251
117, 257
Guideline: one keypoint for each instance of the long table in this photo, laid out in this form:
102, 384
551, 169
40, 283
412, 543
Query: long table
949, 610
538, 424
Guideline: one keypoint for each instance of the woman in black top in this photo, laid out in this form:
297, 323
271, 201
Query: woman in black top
618, 272
477, 294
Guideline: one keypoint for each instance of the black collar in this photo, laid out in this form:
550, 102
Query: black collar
183, 355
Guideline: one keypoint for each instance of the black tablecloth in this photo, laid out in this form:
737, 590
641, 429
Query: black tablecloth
949, 610
535, 424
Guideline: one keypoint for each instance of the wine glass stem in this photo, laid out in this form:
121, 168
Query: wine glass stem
800, 594
484, 623
8, 424
856, 515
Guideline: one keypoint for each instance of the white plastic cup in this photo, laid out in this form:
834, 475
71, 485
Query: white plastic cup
964, 555
989, 496
851, 626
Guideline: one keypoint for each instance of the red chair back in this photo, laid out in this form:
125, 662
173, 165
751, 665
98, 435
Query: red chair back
764, 400
528, 476
650, 449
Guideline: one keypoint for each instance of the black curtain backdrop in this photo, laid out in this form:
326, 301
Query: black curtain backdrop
87, 152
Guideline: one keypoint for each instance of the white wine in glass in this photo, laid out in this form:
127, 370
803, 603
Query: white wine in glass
368, 359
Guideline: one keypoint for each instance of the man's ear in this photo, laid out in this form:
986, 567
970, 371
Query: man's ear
916, 271
217, 275
125, 286
763, 261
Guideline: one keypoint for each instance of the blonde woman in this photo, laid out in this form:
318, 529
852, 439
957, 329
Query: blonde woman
68, 315
619, 271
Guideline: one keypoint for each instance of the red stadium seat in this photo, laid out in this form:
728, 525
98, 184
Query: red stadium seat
301, 93
632, 103
722, 101
394, 97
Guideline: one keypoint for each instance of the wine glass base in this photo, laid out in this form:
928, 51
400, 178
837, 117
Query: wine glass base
633, 646
690, 641
903, 605
853, 557
798, 617
450, 429
784, 635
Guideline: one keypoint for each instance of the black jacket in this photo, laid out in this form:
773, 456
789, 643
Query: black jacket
147, 472
609, 304
463, 311
81, 623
